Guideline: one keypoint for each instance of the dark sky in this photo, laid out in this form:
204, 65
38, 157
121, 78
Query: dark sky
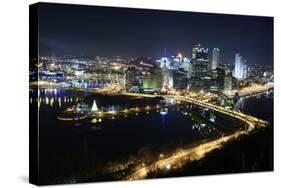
105, 31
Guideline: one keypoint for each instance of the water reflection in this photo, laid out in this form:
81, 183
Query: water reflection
52, 98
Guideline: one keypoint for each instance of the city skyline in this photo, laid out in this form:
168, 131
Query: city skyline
128, 94
106, 31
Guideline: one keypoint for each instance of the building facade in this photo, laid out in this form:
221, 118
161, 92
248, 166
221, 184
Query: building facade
215, 58
240, 71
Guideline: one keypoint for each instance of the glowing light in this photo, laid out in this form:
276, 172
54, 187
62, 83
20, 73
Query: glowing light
126, 110
59, 100
94, 120
168, 167
164, 111
112, 111
94, 107
51, 101
180, 56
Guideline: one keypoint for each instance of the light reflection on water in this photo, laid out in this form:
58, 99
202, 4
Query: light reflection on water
52, 98
55, 99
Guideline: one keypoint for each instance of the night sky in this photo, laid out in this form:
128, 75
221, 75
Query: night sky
105, 31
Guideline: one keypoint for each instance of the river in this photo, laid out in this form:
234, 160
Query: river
82, 151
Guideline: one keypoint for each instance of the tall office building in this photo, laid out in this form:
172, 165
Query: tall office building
186, 66
200, 59
215, 58
200, 66
167, 76
165, 62
240, 71
152, 80
217, 80
180, 79
176, 61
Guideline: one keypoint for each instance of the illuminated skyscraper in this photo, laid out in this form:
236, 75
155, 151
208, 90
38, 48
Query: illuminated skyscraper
215, 58
200, 58
165, 62
240, 71
186, 66
180, 79
176, 61
245, 69
167, 76
153, 80
200, 65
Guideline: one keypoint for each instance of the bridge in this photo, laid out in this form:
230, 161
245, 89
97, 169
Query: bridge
250, 120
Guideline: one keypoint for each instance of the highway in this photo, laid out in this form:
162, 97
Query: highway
177, 159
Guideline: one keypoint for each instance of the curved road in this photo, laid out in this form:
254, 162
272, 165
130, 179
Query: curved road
196, 152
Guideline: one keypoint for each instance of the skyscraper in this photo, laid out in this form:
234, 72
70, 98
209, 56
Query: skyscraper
180, 79
153, 80
200, 64
215, 58
165, 62
200, 58
177, 61
167, 76
186, 66
240, 71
